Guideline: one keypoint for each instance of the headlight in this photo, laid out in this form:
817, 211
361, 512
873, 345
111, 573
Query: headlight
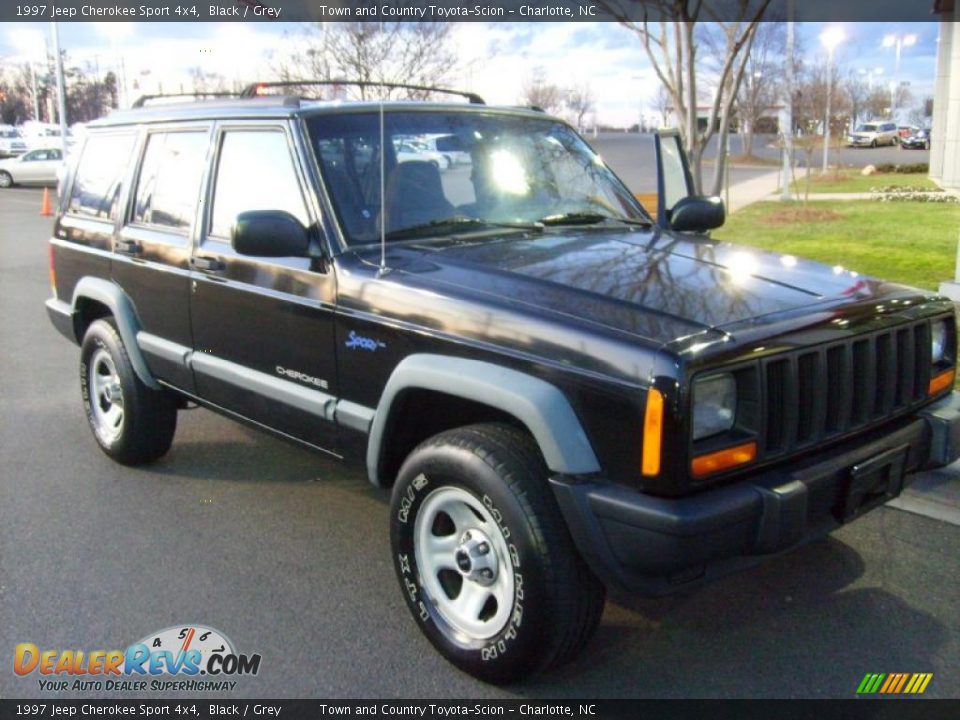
714, 405
938, 342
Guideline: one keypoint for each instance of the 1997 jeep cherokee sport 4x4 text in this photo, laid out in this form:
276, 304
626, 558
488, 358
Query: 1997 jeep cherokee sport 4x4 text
562, 392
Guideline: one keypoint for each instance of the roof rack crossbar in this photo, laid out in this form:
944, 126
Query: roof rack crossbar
254, 89
144, 99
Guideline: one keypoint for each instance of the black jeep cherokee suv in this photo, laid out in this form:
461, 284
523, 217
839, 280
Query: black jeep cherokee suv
562, 392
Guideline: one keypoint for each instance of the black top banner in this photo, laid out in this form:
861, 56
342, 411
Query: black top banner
468, 10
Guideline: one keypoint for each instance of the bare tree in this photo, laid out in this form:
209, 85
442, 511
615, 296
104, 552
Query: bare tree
538, 92
207, 82
671, 42
857, 90
661, 104
762, 79
877, 103
811, 106
579, 102
413, 53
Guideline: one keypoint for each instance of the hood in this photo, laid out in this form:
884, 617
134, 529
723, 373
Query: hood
645, 282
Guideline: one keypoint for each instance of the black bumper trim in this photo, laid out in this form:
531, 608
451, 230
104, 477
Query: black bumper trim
658, 545
61, 315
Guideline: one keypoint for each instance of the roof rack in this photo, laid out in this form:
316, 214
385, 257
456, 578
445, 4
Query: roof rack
257, 89
143, 100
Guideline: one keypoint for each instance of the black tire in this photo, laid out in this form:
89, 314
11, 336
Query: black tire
873, 143
148, 418
6, 179
556, 601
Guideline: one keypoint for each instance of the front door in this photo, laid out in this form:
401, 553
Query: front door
263, 327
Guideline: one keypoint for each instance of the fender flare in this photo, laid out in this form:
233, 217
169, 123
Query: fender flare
540, 406
121, 307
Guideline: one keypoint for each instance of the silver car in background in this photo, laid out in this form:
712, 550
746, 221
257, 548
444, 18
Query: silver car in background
37, 167
873, 134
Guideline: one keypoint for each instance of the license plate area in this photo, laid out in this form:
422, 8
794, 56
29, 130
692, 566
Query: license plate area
870, 483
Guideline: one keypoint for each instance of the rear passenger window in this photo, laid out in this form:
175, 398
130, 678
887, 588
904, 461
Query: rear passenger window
255, 172
169, 182
96, 189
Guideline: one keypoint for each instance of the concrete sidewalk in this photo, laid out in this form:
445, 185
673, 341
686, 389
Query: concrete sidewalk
933, 494
815, 197
753, 190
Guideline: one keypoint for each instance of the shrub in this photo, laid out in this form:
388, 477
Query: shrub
907, 169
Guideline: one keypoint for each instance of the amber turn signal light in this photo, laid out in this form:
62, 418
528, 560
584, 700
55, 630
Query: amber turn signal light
941, 382
723, 459
652, 433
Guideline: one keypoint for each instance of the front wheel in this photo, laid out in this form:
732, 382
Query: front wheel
6, 179
484, 559
132, 423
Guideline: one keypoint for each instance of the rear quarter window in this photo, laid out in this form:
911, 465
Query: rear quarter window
100, 174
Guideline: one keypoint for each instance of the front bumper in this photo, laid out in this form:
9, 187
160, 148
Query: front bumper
656, 546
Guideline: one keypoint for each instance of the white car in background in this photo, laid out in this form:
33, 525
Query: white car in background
415, 150
36, 167
11, 144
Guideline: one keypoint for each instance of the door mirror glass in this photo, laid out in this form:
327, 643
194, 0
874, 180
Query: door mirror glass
269, 233
673, 175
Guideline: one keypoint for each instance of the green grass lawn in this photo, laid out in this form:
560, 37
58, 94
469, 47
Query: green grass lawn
851, 181
907, 242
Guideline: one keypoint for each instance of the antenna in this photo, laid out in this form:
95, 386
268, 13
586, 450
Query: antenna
383, 198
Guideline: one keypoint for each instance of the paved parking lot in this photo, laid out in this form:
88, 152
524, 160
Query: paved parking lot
286, 553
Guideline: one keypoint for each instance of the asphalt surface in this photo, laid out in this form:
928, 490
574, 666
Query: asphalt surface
287, 554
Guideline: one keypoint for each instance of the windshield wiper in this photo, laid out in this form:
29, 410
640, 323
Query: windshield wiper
458, 222
588, 218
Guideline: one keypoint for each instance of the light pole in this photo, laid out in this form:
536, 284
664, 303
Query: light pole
830, 39
899, 42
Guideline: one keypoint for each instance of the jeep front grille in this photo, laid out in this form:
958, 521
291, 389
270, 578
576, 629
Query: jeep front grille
812, 395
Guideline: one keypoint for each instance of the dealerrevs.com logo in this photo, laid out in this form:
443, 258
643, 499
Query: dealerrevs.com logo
183, 657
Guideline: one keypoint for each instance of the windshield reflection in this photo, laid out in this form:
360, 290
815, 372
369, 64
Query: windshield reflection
444, 167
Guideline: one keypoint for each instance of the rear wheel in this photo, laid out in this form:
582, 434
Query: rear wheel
6, 179
132, 423
484, 559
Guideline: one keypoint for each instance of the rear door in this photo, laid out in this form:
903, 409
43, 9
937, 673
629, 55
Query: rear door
153, 246
263, 328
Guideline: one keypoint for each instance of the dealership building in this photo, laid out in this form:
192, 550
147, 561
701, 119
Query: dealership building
945, 137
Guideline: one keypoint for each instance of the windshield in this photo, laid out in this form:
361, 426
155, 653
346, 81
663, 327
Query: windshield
867, 128
9, 134
488, 168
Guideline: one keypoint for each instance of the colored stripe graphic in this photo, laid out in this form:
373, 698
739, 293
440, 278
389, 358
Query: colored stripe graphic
894, 683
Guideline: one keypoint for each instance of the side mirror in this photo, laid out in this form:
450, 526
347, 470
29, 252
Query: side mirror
697, 214
269, 233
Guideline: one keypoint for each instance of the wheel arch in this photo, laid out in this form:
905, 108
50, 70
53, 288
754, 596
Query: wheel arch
91, 296
483, 391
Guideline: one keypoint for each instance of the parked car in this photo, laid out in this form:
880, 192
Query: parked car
920, 140
873, 134
904, 131
44, 135
563, 393
11, 144
36, 167
417, 151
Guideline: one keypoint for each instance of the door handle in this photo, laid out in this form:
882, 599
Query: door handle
128, 247
207, 264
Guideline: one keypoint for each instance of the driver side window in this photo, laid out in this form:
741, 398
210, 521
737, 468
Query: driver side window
255, 171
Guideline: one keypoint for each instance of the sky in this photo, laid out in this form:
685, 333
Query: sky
495, 58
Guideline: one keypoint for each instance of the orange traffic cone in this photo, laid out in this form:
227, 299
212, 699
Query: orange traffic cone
45, 206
